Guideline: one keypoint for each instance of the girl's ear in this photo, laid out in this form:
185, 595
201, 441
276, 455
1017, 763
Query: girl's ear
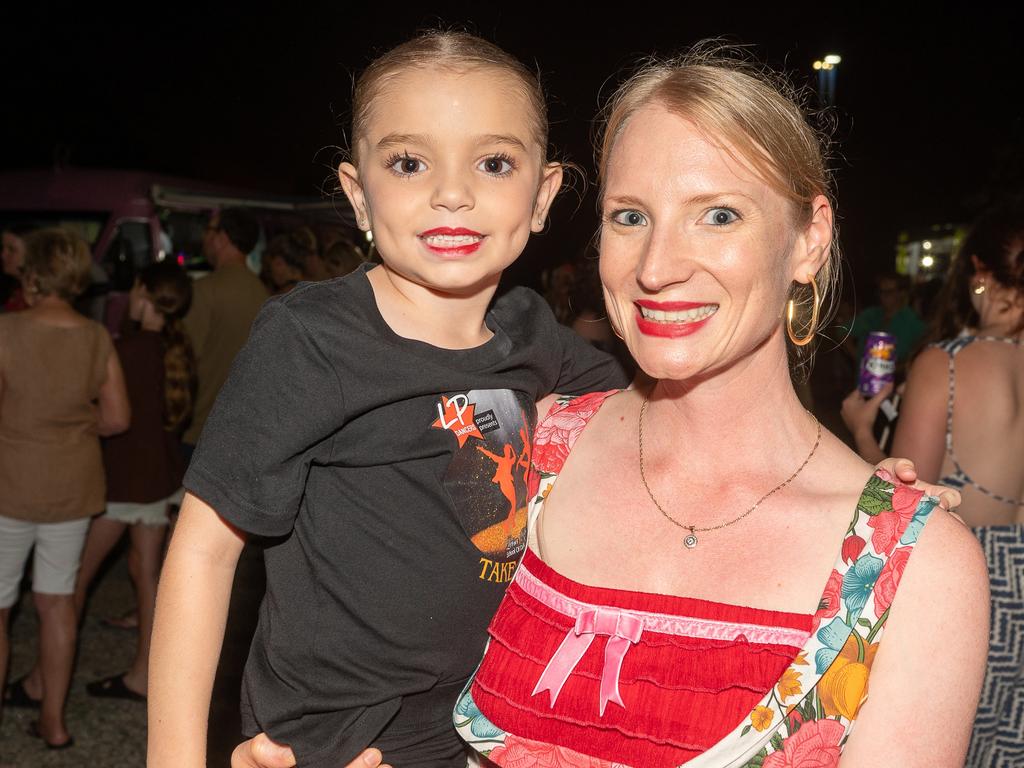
348, 175
550, 183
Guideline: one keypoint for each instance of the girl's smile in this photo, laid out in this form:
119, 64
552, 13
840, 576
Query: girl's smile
451, 241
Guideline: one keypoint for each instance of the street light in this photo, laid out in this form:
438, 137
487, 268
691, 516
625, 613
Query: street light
826, 69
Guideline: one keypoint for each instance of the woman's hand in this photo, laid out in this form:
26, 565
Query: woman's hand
859, 413
261, 752
949, 498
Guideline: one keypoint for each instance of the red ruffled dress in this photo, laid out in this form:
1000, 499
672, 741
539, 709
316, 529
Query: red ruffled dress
626, 677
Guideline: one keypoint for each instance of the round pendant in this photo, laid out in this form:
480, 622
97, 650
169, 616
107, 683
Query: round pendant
690, 541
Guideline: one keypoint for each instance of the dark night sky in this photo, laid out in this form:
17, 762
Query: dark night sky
930, 114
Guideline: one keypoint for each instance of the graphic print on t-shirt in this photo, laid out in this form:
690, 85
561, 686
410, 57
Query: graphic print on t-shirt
487, 476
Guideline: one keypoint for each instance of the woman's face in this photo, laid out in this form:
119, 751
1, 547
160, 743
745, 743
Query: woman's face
697, 252
450, 177
13, 254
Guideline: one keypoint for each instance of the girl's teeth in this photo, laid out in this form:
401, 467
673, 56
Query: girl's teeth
451, 241
685, 316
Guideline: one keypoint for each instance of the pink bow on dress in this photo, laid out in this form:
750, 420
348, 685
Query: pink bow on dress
623, 630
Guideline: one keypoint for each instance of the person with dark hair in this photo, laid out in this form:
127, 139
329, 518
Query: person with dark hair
962, 424
224, 305
340, 258
892, 314
61, 388
287, 260
12, 297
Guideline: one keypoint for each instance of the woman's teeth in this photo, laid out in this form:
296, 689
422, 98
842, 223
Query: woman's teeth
451, 241
685, 316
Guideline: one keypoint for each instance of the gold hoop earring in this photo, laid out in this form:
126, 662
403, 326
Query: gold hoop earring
791, 310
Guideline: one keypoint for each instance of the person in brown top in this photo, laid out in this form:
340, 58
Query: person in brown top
61, 388
143, 465
224, 304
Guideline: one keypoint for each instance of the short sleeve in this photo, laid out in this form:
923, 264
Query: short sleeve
584, 367
275, 416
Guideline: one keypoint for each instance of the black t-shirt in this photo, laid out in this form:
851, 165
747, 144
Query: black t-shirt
390, 476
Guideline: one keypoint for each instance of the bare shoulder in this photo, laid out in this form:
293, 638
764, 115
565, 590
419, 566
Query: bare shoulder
931, 659
931, 362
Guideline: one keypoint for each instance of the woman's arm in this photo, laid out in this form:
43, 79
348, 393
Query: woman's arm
921, 429
191, 612
859, 416
926, 679
114, 413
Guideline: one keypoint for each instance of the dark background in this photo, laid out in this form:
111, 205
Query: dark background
928, 119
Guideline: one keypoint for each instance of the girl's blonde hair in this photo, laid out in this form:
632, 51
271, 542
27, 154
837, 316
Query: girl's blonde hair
755, 113
454, 50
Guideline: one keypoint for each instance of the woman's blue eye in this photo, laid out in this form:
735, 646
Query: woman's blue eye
721, 216
629, 218
498, 165
405, 165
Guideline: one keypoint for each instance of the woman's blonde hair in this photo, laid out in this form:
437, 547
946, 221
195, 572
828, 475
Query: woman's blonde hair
750, 110
57, 263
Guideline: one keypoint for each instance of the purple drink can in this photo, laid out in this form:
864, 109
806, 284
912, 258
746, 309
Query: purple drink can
878, 367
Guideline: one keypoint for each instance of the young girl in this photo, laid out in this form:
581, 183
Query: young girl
375, 434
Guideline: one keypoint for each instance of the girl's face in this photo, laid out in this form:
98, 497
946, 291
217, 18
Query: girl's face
697, 252
450, 180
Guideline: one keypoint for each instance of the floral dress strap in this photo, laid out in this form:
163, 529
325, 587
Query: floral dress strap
553, 439
827, 682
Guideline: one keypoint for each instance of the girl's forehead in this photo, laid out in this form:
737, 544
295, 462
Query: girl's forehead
446, 102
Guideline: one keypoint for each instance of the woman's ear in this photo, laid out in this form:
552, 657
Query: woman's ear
814, 244
348, 175
550, 183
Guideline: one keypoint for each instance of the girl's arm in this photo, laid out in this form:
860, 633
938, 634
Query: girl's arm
926, 679
114, 413
921, 429
188, 631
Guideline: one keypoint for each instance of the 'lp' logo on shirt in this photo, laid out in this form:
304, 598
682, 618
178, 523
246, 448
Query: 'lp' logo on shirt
456, 414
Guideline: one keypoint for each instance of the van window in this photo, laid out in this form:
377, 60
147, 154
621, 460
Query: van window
130, 250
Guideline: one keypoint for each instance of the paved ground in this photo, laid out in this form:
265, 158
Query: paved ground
111, 732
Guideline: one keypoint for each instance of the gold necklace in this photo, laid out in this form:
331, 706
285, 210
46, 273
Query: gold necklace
691, 540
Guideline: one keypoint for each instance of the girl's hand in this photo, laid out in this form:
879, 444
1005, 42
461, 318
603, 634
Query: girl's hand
261, 752
949, 498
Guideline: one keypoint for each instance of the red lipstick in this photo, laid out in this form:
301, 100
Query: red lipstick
664, 328
442, 248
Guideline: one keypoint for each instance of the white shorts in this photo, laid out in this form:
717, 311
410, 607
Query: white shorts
58, 552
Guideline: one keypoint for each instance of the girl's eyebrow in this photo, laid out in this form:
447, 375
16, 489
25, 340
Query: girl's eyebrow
498, 138
402, 138
394, 139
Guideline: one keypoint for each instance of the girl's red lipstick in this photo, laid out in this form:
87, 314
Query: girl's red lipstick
451, 241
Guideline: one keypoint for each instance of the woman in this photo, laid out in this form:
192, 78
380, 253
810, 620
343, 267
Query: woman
678, 507
12, 254
968, 385
61, 388
143, 464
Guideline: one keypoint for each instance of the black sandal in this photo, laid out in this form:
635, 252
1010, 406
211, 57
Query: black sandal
15, 695
113, 688
33, 730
